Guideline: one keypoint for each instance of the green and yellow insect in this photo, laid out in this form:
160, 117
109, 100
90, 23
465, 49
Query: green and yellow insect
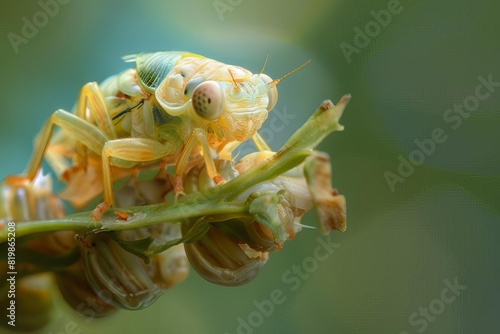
170, 108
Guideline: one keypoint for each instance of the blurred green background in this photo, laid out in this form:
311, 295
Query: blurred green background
441, 223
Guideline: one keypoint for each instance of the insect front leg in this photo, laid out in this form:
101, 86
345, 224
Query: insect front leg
124, 151
226, 153
200, 136
260, 143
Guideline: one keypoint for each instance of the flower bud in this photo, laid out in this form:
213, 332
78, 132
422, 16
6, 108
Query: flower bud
125, 277
221, 260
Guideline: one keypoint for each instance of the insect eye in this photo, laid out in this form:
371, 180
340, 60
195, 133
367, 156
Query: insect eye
272, 93
208, 100
191, 85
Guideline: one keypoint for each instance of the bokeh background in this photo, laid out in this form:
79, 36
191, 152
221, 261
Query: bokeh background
441, 223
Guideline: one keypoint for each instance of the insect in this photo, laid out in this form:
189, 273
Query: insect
169, 109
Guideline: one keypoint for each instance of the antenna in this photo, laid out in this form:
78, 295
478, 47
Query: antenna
276, 81
264, 66
236, 87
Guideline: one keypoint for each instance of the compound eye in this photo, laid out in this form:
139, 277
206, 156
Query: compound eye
208, 100
191, 85
272, 93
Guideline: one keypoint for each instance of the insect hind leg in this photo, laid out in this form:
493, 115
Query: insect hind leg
90, 108
84, 132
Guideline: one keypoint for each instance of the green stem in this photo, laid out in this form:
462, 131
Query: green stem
44, 226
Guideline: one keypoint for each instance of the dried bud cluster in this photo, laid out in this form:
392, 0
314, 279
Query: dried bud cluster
33, 293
